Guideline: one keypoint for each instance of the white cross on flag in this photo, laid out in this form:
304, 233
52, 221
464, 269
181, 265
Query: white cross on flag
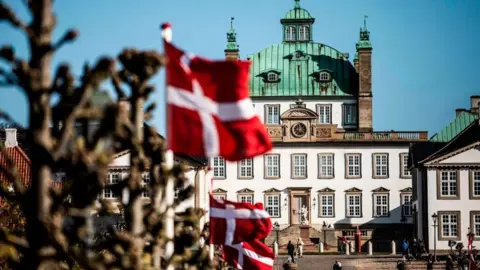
235, 222
208, 107
253, 255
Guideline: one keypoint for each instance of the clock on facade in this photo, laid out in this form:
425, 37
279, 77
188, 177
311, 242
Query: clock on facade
299, 130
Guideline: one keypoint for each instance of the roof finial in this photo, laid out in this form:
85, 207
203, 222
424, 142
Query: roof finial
297, 3
232, 37
364, 41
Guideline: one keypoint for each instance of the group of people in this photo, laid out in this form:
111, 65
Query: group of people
291, 249
414, 250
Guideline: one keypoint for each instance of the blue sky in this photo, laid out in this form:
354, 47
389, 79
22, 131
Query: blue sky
425, 53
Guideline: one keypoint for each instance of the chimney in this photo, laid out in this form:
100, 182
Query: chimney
459, 111
11, 137
474, 101
478, 112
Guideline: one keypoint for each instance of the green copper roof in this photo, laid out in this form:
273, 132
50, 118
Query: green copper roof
364, 42
232, 38
462, 121
298, 66
297, 13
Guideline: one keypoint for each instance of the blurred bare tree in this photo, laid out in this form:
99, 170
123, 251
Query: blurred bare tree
58, 136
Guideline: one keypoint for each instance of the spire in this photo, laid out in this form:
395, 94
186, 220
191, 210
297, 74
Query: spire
232, 38
364, 42
297, 3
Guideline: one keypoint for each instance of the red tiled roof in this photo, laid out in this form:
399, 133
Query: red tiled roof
21, 162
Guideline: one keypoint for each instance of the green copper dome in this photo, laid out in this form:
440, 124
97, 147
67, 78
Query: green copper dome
298, 14
300, 67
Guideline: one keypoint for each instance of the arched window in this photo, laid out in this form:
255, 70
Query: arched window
272, 77
304, 33
324, 76
290, 33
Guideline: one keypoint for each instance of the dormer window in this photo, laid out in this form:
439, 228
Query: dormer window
272, 77
304, 33
324, 76
290, 33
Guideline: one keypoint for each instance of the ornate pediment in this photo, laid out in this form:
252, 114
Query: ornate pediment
245, 190
299, 113
408, 189
353, 189
219, 190
272, 190
381, 189
326, 190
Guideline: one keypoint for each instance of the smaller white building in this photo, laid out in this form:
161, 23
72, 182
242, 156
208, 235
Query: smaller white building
446, 185
196, 175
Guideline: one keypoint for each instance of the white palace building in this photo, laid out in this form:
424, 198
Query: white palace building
316, 105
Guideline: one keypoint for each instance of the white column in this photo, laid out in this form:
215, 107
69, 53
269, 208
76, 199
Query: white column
370, 248
321, 247
347, 249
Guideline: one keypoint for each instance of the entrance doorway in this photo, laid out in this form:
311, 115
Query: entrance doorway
296, 206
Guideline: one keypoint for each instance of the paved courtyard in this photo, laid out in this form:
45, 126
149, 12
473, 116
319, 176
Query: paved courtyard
319, 262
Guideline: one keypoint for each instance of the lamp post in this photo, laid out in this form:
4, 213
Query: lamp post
276, 227
434, 218
414, 217
403, 220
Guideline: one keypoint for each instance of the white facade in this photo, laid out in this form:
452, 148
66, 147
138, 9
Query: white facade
259, 184
196, 176
316, 174
453, 193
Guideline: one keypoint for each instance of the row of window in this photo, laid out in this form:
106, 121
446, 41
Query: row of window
449, 224
326, 204
115, 178
303, 33
324, 111
323, 76
448, 183
326, 166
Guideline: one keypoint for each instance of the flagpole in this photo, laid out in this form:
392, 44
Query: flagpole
169, 192
211, 251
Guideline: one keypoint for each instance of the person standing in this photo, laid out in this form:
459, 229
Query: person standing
300, 247
405, 248
430, 262
449, 263
415, 249
290, 250
344, 243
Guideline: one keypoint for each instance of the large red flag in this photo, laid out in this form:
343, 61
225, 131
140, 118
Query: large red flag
253, 255
234, 222
209, 109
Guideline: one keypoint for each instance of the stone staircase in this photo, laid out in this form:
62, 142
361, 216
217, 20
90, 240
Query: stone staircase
292, 233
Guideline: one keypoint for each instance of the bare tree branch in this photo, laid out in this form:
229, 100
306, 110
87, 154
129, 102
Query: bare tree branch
102, 70
84, 161
6, 14
69, 36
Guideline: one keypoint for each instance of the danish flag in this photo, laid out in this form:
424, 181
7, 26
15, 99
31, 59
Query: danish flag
234, 222
208, 107
253, 255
